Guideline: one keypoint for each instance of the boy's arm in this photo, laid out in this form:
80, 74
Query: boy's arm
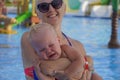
76, 68
40, 75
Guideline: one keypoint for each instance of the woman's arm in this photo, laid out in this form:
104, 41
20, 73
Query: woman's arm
28, 54
80, 48
29, 57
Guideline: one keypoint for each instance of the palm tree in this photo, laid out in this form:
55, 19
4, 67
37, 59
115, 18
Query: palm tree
114, 39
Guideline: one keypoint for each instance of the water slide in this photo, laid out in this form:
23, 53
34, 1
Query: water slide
99, 2
105, 8
95, 8
74, 5
22, 17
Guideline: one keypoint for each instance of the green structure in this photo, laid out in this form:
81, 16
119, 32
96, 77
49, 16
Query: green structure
22, 17
74, 4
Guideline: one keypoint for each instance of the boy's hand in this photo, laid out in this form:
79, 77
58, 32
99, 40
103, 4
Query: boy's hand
61, 76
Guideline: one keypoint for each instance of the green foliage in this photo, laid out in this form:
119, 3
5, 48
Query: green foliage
1, 26
115, 4
8, 3
105, 2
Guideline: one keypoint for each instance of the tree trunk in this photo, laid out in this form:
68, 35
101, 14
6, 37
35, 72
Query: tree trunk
114, 39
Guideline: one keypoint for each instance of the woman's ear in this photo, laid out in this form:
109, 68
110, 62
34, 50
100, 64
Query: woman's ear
64, 8
38, 14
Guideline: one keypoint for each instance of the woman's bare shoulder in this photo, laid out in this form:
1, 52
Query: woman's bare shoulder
24, 36
28, 53
76, 42
78, 45
25, 45
24, 41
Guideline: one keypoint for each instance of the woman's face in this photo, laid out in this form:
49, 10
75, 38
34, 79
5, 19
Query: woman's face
53, 16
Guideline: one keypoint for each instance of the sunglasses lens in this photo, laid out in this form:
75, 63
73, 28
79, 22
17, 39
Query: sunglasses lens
43, 7
57, 4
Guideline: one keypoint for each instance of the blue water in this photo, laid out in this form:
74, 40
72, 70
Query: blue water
92, 32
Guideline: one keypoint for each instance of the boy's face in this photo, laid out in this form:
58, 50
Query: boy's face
48, 48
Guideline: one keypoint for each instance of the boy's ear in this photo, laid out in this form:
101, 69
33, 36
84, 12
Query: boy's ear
59, 40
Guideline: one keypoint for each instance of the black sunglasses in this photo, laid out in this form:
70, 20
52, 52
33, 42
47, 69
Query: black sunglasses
44, 7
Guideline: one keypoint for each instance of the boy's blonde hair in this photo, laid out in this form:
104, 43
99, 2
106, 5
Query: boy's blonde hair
38, 27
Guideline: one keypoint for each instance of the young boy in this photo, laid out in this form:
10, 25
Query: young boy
44, 40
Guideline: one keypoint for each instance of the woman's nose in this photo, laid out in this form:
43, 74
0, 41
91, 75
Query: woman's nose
51, 8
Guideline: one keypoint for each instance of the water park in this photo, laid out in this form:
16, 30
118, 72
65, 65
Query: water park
96, 23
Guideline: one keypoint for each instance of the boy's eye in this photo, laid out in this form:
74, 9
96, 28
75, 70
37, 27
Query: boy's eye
42, 50
51, 45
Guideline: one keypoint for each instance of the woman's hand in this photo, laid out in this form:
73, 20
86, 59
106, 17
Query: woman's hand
84, 75
37, 69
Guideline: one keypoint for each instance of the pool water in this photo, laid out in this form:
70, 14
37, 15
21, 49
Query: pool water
94, 33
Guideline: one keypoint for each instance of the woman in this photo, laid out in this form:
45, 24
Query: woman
52, 12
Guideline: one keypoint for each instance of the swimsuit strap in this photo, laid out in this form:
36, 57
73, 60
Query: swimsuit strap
29, 71
86, 63
67, 39
35, 76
